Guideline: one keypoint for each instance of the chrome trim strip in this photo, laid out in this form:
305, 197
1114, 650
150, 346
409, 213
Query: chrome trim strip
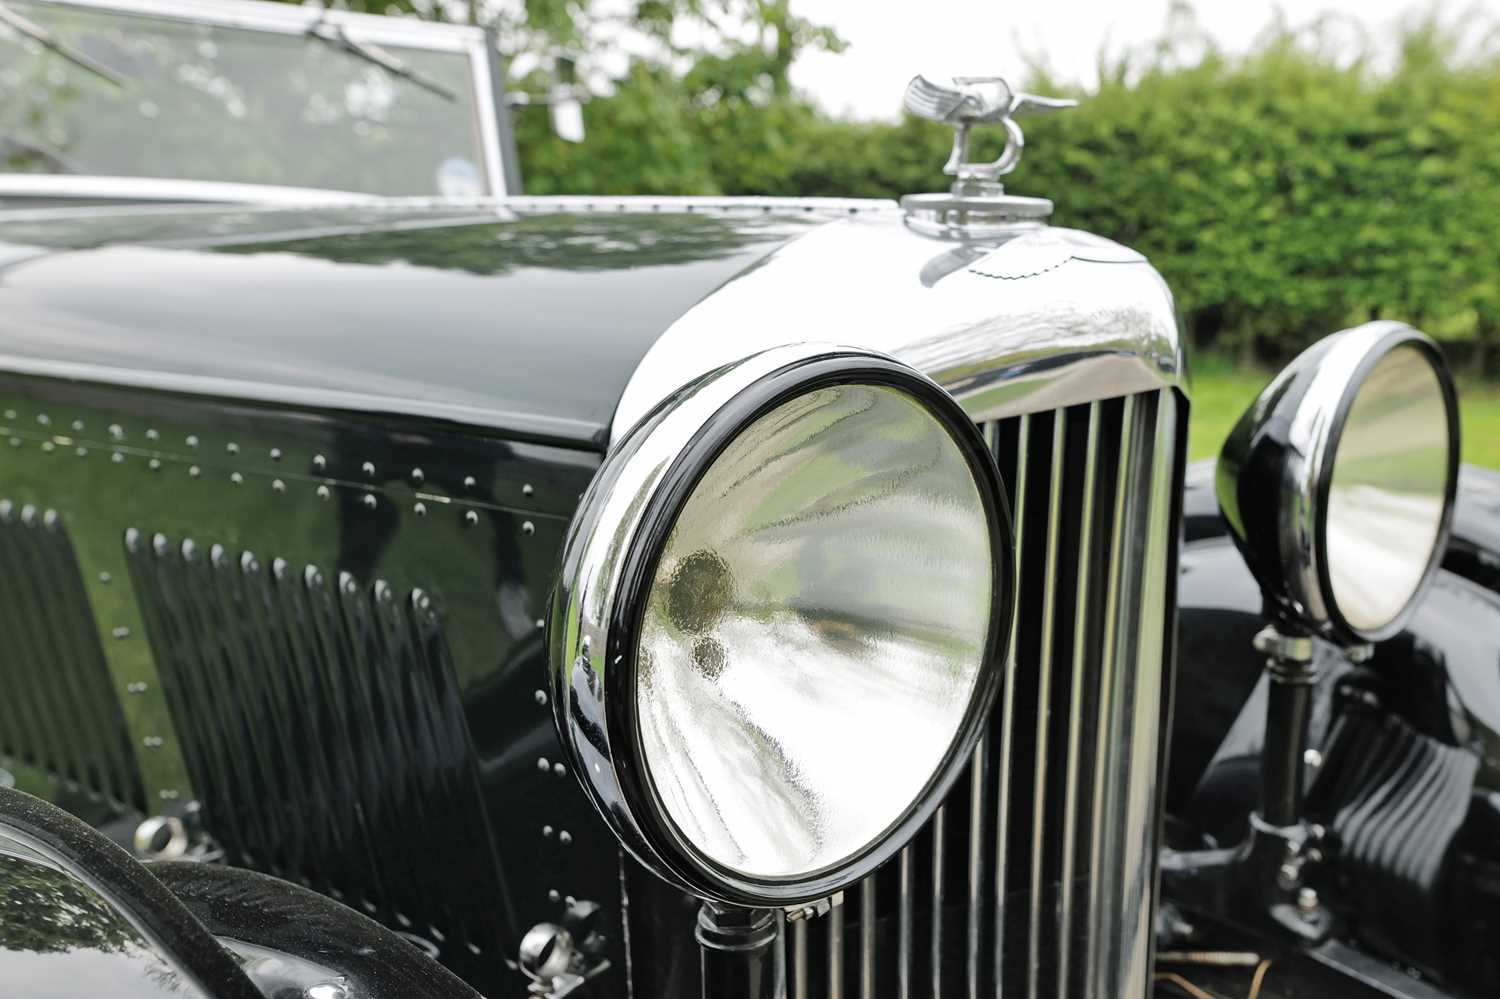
707, 205
170, 190
867, 938
1046, 319
1008, 700
836, 952
1044, 697
1081, 657
293, 20
168, 193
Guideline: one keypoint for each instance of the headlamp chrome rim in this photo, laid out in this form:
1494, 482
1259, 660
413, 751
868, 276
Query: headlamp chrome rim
596, 708
1276, 477
1378, 342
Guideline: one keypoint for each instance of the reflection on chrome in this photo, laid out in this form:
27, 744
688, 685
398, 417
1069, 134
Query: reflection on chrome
1390, 480
815, 631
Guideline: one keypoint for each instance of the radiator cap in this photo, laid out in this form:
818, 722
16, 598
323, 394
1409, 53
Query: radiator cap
976, 206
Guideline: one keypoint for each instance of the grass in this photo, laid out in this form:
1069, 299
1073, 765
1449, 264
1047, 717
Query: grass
1222, 389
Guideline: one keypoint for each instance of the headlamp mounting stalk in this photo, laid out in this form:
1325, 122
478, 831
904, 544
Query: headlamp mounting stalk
1337, 486
610, 570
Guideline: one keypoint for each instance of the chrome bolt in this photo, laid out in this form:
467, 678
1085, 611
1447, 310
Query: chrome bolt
546, 952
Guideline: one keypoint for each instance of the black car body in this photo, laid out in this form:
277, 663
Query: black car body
283, 497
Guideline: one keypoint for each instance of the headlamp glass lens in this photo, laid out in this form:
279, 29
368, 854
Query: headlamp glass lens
816, 631
1388, 490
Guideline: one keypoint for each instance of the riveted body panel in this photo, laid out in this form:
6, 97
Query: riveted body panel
312, 624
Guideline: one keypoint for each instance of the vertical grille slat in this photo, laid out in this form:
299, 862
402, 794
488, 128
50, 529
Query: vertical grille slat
1035, 877
1084, 624
905, 919
325, 737
867, 939
1046, 644
939, 835
799, 960
1098, 975
1012, 457
979, 777
836, 952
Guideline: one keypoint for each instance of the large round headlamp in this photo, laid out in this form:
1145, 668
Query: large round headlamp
1338, 482
781, 620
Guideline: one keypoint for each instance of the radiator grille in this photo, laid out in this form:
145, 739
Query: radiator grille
324, 736
52, 667
1036, 877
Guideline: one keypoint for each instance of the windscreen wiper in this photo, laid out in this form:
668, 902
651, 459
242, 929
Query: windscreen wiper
334, 36
11, 144
52, 43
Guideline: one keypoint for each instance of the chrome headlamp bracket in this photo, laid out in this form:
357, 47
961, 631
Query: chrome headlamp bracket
608, 567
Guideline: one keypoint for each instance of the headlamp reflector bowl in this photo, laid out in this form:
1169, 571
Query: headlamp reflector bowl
1338, 482
781, 622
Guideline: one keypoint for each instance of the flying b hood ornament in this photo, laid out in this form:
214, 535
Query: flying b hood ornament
976, 206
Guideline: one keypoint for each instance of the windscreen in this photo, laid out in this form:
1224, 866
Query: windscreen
119, 94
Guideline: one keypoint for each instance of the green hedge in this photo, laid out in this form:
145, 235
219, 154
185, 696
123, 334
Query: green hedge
1283, 195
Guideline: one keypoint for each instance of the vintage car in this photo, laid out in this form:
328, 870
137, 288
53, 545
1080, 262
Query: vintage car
410, 589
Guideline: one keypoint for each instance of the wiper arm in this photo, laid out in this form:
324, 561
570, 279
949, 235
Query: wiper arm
10, 143
52, 43
335, 36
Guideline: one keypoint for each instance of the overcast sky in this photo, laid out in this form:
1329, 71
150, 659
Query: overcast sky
890, 40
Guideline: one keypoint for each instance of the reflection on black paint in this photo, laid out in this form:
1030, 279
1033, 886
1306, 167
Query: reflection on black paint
61, 940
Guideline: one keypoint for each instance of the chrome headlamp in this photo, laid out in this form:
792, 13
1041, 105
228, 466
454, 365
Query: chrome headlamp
780, 622
1338, 482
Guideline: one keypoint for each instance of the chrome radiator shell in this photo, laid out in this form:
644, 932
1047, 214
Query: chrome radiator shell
1063, 790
